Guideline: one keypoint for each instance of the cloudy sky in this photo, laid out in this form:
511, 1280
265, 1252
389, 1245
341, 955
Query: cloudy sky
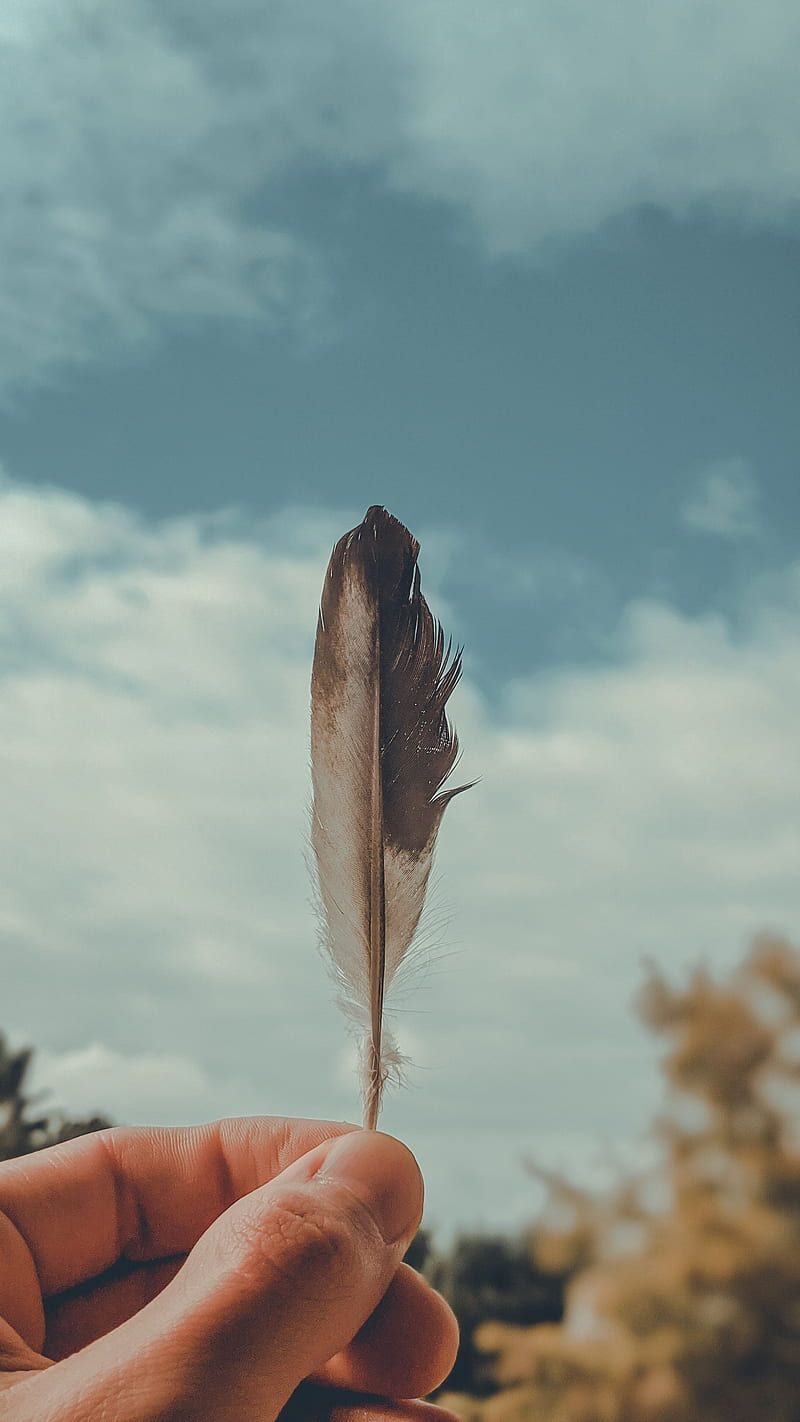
528, 274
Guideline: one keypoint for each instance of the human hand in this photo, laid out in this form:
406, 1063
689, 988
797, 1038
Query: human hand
208, 1272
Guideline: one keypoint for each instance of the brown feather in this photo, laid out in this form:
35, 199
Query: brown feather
381, 751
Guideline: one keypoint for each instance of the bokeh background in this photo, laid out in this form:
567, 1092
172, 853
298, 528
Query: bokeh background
528, 274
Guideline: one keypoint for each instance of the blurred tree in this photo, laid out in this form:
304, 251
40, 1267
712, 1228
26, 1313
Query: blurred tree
20, 1131
489, 1277
686, 1303
420, 1251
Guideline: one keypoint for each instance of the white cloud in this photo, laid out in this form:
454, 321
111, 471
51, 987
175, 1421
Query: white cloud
137, 141
122, 189
155, 926
151, 1088
544, 119
725, 501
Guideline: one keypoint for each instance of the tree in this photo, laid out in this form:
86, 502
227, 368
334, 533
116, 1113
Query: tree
491, 1277
20, 1131
686, 1303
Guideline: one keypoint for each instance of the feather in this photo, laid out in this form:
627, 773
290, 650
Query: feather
381, 751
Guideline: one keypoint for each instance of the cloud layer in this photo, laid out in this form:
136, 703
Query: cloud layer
137, 141
155, 923
725, 501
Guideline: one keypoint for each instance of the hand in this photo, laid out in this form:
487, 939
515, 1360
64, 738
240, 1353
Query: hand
207, 1273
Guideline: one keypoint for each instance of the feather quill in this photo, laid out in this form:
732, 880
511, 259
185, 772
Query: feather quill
381, 751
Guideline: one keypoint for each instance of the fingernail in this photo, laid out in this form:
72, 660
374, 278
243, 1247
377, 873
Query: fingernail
384, 1175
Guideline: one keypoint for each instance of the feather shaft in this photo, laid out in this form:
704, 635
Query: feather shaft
377, 921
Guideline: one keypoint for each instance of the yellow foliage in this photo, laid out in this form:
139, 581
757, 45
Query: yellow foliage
700, 1322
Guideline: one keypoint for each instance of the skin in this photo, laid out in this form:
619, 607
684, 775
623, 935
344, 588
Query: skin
246, 1269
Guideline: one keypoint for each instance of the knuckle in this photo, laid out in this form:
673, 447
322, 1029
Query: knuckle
296, 1243
319, 1237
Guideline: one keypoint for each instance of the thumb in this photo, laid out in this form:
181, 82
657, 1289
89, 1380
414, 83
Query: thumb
279, 1284
289, 1274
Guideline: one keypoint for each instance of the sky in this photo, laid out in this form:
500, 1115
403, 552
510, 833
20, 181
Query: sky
529, 275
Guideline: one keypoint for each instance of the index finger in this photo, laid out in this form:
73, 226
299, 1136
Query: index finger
142, 1193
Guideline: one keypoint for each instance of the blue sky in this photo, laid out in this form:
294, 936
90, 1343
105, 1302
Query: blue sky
528, 275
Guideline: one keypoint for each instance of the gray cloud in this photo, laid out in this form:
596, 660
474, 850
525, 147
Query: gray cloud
545, 119
155, 924
135, 138
123, 178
